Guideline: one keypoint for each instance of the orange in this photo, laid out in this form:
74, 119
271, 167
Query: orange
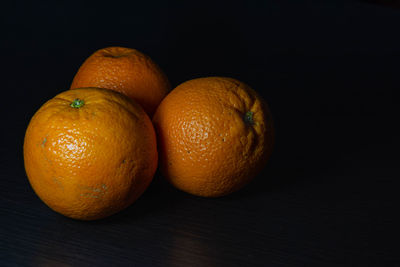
90, 153
215, 134
127, 71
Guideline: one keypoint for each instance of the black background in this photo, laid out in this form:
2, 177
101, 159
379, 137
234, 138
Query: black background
328, 69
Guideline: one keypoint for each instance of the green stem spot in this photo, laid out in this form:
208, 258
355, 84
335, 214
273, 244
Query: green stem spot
248, 118
77, 103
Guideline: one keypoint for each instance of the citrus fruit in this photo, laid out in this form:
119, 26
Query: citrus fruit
127, 71
214, 135
90, 153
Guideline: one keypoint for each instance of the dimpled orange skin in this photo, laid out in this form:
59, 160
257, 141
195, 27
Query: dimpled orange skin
214, 135
127, 71
93, 161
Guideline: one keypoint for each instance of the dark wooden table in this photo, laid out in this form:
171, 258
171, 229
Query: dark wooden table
328, 197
